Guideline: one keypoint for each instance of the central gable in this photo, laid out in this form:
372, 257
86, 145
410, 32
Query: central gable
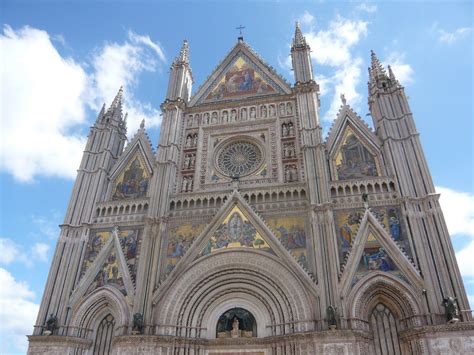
241, 75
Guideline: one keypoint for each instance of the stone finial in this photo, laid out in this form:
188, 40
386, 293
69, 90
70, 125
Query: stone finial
299, 39
183, 56
343, 99
142, 124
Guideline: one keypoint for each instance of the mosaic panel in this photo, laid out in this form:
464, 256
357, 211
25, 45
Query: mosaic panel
129, 241
241, 80
133, 181
291, 233
347, 225
179, 240
236, 231
109, 274
353, 160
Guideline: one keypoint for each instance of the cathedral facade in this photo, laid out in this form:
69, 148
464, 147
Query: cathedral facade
245, 232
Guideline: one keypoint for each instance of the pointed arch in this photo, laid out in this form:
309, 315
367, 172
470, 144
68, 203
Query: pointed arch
91, 310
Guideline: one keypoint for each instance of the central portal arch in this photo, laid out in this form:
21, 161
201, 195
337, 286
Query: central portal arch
248, 279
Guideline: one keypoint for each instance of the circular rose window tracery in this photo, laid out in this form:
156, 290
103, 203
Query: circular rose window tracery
239, 159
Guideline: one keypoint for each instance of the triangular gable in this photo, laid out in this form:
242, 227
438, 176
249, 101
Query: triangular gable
132, 172
374, 250
269, 242
353, 148
235, 231
110, 267
242, 74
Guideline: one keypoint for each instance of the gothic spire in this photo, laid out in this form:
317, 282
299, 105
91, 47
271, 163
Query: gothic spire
376, 69
117, 103
115, 110
299, 40
183, 56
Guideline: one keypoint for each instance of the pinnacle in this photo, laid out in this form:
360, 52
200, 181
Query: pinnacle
299, 39
118, 98
377, 68
142, 124
183, 56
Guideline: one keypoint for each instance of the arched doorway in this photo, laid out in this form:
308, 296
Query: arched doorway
236, 323
103, 336
385, 329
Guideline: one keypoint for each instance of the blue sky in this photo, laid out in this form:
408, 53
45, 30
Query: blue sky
62, 60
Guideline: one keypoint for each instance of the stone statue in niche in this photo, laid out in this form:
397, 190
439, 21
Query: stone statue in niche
291, 129
206, 118
272, 111
138, 325
189, 141
243, 114
253, 112
187, 160
331, 317
451, 309
225, 116
214, 117
192, 161
195, 140
289, 109
233, 115
291, 173
282, 109
263, 111
235, 333
284, 130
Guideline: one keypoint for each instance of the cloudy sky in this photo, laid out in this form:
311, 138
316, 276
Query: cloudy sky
60, 61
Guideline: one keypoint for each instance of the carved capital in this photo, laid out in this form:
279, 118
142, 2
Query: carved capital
309, 86
173, 104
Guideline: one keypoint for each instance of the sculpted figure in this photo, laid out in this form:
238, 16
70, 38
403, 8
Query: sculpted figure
52, 323
138, 324
451, 309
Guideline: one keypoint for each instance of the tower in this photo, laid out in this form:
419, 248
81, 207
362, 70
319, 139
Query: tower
404, 157
247, 232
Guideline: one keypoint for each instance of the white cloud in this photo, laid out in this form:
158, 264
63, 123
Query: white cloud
458, 210
45, 97
118, 65
306, 19
40, 251
466, 261
451, 37
367, 7
17, 311
13, 252
41, 95
402, 70
332, 48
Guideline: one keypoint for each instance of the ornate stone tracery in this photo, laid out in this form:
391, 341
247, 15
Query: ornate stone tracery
239, 159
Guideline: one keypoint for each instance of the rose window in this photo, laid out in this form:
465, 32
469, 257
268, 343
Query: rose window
239, 159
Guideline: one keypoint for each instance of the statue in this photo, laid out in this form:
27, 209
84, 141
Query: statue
235, 328
138, 324
451, 309
365, 198
51, 324
331, 317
